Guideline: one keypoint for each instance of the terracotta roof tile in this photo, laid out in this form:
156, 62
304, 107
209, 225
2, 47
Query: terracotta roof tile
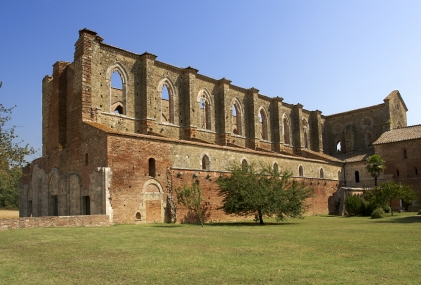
353, 156
402, 134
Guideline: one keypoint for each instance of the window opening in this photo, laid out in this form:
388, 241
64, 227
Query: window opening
286, 131
276, 167
263, 124
235, 120
152, 167
138, 216
30, 208
205, 163
338, 146
244, 165
55, 205
416, 171
397, 172
322, 173
305, 140
118, 110
165, 95
300, 171
357, 176
204, 114
86, 205
116, 81
404, 153
86, 159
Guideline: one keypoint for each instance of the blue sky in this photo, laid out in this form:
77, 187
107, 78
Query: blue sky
332, 56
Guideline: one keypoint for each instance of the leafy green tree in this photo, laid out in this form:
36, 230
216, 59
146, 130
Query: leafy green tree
375, 166
12, 158
384, 194
264, 192
191, 198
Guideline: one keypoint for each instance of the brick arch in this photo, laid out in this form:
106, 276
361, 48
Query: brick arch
124, 79
152, 182
171, 96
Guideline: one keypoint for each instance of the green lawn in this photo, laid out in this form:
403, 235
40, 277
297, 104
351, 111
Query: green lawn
314, 250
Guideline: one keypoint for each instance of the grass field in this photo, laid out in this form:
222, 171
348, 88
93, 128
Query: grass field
9, 214
315, 250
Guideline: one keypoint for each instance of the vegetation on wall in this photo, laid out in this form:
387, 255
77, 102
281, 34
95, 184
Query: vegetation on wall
264, 192
191, 198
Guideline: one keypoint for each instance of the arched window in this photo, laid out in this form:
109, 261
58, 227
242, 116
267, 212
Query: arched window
276, 167
117, 78
263, 124
339, 175
286, 128
244, 165
322, 174
152, 169
357, 176
338, 146
397, 172
166, 92
404, 154
236, 118
205, 103
300, 171
305, 140
116, 81
205, 162
138, 216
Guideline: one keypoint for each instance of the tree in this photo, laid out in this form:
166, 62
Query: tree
191, 197
375, 166
384, 194
12, 158
264, 192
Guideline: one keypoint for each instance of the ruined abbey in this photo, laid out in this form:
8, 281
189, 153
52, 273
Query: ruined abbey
121, 151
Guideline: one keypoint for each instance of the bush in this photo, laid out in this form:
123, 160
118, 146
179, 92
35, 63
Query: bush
419, 212
354, 205
378, 213
368, 207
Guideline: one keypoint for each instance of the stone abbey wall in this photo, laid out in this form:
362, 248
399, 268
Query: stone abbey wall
121, 151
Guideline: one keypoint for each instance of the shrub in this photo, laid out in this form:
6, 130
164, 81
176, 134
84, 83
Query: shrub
419, 212
378, 213
368, 207
354, 205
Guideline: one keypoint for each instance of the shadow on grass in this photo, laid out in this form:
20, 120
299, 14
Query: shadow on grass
400, 220
249, 224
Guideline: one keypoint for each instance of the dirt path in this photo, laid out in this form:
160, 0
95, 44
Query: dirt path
9, 214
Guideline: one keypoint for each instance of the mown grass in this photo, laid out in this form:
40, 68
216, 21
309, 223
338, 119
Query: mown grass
315, 250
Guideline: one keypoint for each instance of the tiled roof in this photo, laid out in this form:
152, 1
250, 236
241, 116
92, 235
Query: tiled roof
353, 156
318, 155
402, 134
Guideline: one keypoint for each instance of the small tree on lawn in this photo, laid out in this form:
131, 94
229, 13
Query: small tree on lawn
384, 194
264, 192
191, 198
12, 158
375, 166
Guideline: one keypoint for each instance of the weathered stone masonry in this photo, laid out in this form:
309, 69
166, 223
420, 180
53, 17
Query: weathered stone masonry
121, 151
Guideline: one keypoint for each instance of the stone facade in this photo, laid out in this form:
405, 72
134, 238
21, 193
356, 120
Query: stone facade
121, 151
